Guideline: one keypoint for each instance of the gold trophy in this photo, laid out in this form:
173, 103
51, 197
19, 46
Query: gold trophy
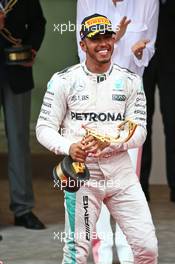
18, 54
71, 175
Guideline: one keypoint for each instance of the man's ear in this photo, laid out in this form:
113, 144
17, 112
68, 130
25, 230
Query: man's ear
83, 45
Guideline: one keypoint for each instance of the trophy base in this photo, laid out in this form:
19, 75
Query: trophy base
66, 178
18, 55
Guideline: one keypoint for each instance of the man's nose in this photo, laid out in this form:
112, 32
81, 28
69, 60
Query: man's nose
103, 41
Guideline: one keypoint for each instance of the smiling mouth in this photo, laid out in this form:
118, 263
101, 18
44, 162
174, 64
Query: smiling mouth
103, 52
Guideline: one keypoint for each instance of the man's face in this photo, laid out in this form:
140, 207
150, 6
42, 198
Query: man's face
99, 48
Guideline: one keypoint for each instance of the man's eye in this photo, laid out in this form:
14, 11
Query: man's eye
95, 39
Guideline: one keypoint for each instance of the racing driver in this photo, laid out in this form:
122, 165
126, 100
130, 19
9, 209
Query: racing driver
99, 95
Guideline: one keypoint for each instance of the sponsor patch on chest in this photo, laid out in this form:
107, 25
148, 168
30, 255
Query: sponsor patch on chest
119, 97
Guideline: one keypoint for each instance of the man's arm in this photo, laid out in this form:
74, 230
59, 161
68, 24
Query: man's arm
36, 29
136, 112
52, 114
144, 49
36, 24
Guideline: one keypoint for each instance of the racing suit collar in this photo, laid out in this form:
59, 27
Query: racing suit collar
97, 77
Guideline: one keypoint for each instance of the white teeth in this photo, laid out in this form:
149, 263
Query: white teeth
103, 51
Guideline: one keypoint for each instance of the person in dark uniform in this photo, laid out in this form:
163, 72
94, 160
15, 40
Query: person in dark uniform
19, 20
161, 72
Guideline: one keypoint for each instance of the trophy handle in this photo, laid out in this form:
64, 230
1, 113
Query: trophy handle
131, 128
126, 125
8, 36
9, 6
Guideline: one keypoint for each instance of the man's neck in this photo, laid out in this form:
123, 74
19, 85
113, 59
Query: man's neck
98, 67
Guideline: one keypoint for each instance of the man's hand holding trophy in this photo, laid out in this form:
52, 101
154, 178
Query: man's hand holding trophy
71, 173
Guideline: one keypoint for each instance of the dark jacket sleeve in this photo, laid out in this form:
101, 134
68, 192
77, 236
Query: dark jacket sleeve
36, 24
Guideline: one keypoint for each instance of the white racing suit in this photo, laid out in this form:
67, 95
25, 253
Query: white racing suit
77, 97
144, 20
